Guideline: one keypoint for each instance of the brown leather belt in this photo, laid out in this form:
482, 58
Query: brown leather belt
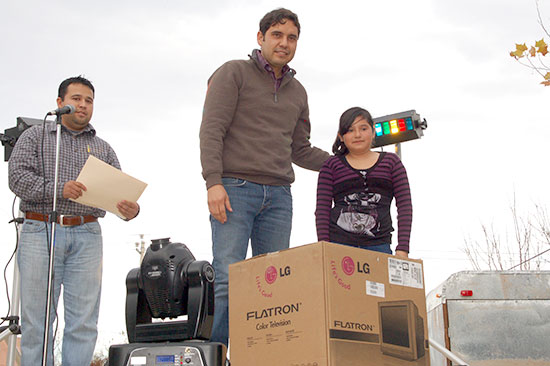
62, 219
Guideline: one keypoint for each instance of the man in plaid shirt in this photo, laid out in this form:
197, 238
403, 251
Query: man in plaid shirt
78, 241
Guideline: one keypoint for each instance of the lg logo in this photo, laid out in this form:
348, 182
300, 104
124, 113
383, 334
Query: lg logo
271, 273
349, 265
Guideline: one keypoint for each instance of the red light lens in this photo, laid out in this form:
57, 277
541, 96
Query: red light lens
466, 292
402, 125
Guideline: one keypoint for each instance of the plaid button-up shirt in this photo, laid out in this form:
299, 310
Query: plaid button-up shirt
26, 172
269, 69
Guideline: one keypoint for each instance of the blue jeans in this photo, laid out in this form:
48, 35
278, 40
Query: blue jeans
78, 267
261, 214
384, 248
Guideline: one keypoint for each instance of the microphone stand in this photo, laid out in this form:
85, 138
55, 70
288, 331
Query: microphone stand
53, 221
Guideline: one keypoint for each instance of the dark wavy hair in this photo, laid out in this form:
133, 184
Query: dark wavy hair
74, 80
346, 120
280, 16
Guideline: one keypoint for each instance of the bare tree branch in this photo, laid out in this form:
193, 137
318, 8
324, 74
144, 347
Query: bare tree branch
540, 19
530, 233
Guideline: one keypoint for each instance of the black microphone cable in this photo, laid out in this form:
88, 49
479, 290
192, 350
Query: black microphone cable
16, 221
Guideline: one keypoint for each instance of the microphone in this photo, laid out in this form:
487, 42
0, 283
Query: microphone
68, 109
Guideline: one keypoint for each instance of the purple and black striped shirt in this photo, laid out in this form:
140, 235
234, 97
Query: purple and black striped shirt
353, 206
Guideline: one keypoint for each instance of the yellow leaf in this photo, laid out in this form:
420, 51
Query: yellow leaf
547, 76
543, 50
532, 51
516, 54
520, 49
541, 43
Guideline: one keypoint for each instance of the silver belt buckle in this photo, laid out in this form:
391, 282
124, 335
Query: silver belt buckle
61, 217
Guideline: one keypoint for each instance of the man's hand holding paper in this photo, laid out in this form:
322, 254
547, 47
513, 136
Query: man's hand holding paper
128, 209
73, 190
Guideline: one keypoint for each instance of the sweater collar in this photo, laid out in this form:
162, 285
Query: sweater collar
264, 65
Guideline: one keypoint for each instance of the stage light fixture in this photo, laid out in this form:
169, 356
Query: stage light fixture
169, 284
10, 135
398, 127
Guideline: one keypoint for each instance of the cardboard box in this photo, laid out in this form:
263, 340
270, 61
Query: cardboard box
326, 304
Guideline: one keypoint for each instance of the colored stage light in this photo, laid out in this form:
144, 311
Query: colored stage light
398, 127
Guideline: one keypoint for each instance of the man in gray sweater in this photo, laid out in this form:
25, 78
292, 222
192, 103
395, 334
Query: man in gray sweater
255, 125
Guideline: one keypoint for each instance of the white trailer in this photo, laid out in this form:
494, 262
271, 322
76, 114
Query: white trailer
491, 318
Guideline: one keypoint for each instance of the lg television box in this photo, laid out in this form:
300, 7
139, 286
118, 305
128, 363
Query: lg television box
326, 304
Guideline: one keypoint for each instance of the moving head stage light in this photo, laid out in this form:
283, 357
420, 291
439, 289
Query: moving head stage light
170, 283
398, 127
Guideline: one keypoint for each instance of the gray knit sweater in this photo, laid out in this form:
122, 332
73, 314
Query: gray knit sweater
252, 131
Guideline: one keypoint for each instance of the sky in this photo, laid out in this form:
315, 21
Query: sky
486, 142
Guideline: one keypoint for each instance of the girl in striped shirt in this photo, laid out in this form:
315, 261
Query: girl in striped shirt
356, 187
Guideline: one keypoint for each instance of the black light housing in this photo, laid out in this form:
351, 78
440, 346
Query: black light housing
10, 135
170, 283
